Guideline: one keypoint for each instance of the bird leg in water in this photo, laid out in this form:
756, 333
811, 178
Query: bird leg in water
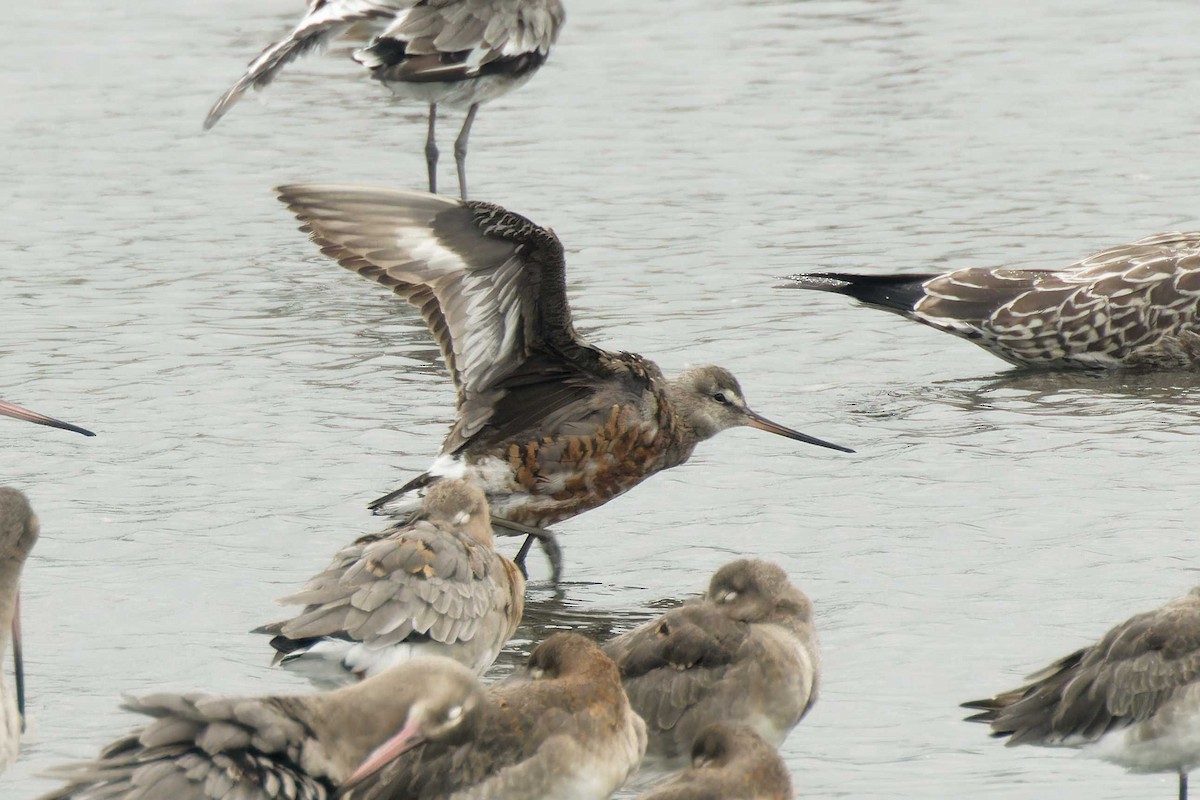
460, 150
431, 151
1182, 785
545, 538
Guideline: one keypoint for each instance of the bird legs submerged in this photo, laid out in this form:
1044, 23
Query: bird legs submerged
1183, 785
545, 538
460, 149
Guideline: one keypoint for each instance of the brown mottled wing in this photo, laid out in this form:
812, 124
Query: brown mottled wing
1093, 313
1124, 678
419, 579
670, 664
490, 285
324, 20
204, 748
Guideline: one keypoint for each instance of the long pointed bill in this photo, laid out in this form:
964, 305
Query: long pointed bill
18, 661
764, 424
408, 738
16, 412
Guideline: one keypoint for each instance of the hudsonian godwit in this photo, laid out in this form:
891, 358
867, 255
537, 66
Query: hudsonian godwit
204, 747
728, 761
549, 426
433, 587
18, 533
563, 729
1132, 698
17, 412
457, 53
744, 653
1132, 306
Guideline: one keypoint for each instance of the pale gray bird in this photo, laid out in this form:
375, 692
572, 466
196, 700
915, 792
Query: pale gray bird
1132, 698
18, 533
17, 412
745, 653
563, 732
292, 747
457, 53
729, 762
548, 424
1132, 306
433, 587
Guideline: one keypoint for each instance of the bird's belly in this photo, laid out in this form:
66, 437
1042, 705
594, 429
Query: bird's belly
459, 93
1167, 742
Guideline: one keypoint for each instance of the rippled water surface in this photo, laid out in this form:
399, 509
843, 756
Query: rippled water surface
250, 396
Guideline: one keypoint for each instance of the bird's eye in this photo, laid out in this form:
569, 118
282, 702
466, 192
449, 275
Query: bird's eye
454, 713
728, 597
536, 672
721, 398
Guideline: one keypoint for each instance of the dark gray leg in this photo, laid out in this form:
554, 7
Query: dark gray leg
460, 149
431, 151
1182, 785
545, 538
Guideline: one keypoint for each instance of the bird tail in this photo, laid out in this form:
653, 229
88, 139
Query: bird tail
898, 293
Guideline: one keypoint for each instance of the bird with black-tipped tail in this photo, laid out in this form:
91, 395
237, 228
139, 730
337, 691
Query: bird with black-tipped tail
745, 653
1132, 698
1132, 306
433, 587
18, 534
456, 53
548, 425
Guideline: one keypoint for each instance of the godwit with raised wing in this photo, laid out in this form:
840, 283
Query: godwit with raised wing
458, 53
567, 733
1135, 306
17, 412
728, 763
18, 533
549, 426
744, 653
1133, 698
293, 747
434, 587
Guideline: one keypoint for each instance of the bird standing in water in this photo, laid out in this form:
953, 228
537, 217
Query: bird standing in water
548, 425
1132, 698
18, 534
457, 53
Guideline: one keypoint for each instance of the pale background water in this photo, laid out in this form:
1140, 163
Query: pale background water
251, 396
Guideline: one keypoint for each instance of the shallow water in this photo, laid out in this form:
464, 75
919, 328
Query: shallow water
250, 396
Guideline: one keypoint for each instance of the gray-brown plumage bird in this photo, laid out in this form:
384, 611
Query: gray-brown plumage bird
1132, 698
565, 731
729, 762
433, 587
548, 424
18, 534
745, 653
1132, 306
458, 53
17, 412
302, 747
